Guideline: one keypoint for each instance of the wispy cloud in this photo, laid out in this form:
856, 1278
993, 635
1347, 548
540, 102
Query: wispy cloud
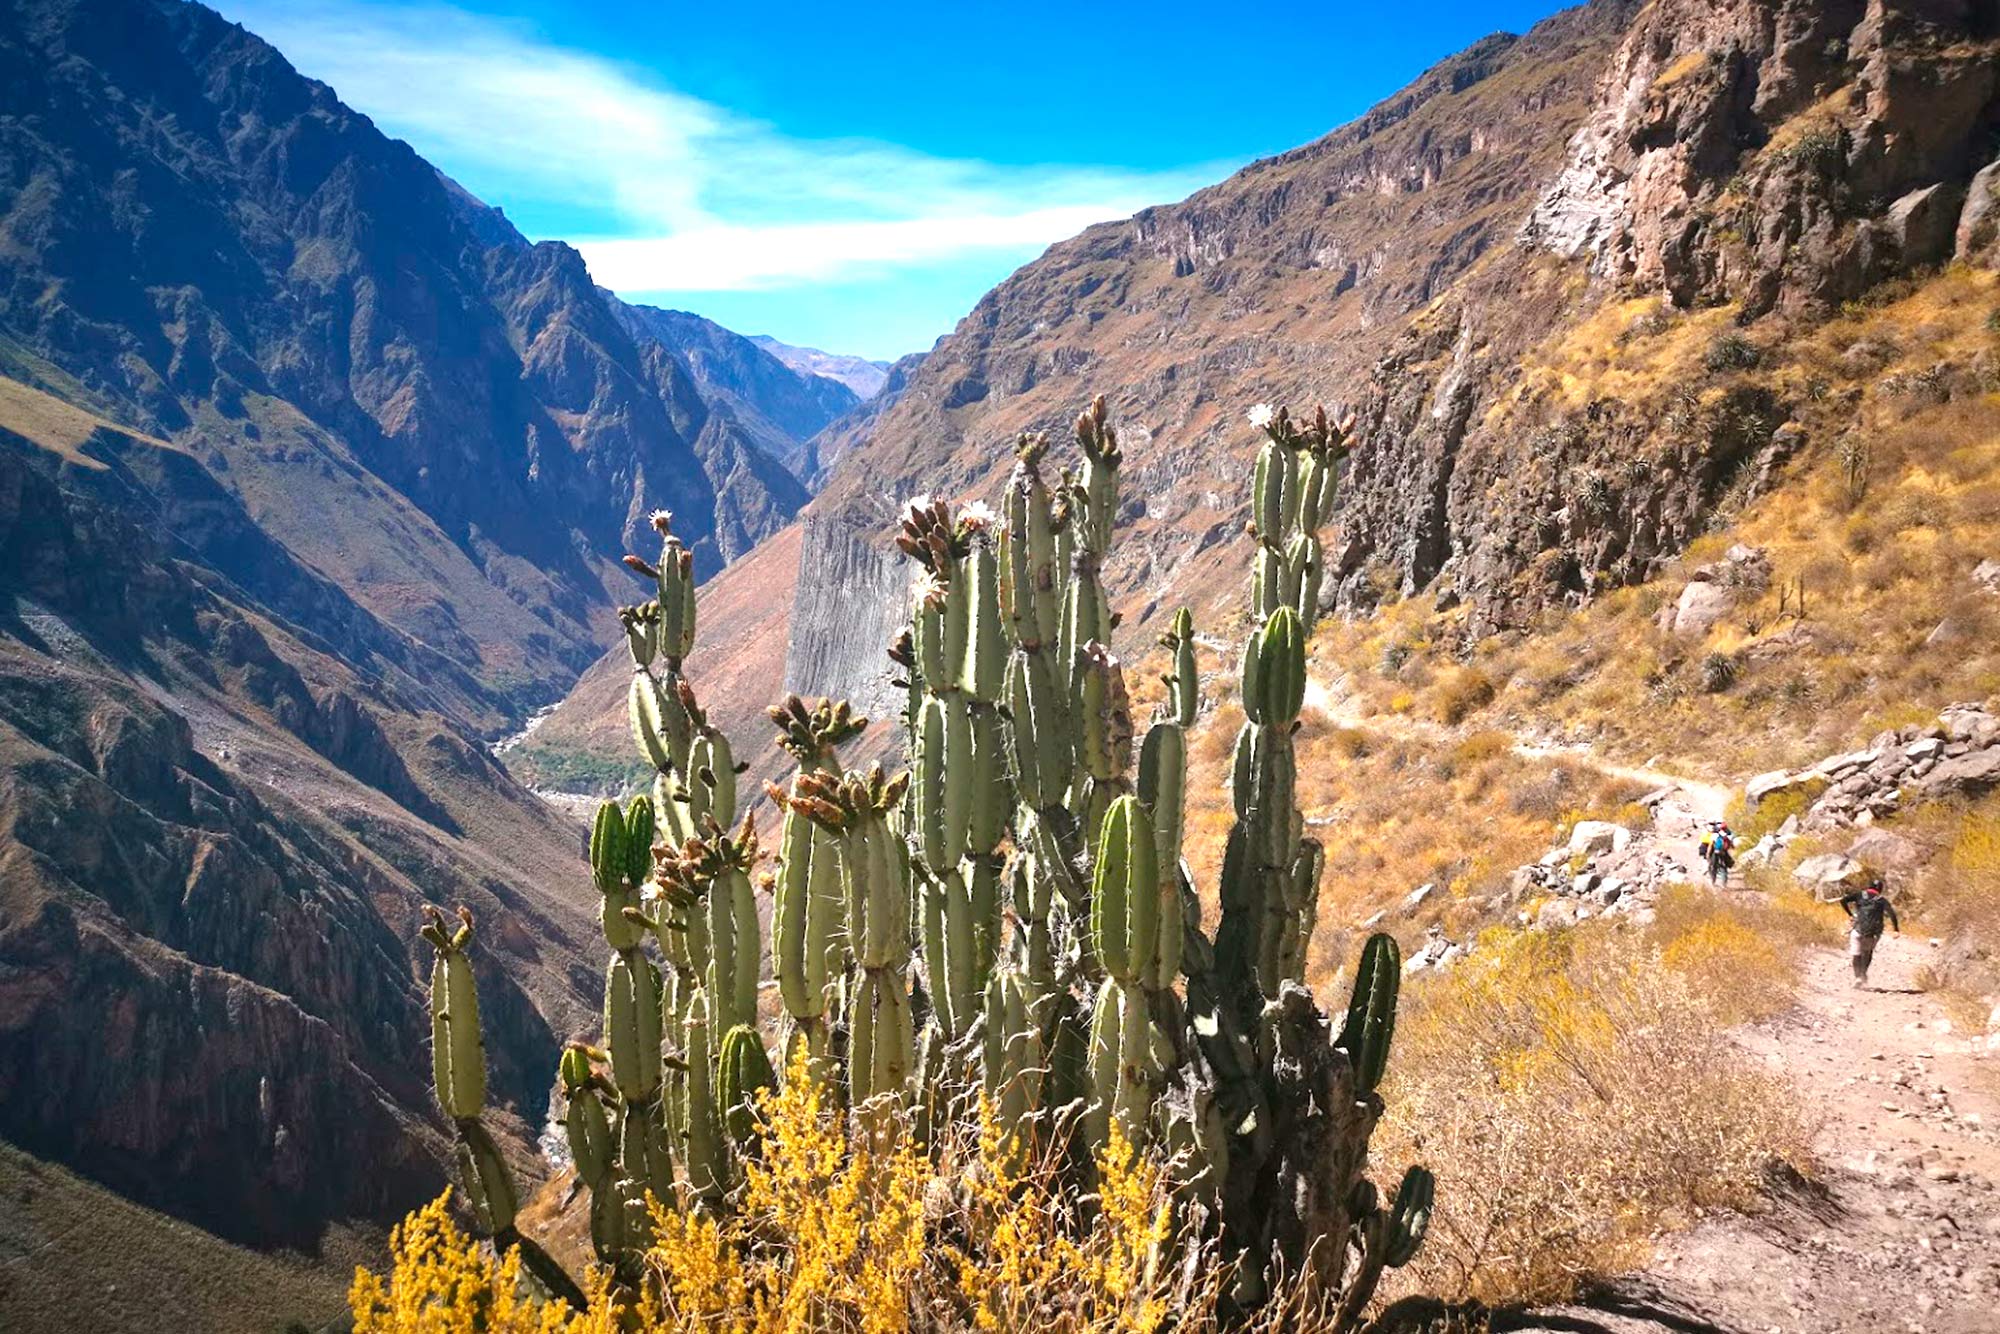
674, 193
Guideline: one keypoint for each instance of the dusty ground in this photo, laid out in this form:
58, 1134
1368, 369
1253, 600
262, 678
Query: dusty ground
1901, 1229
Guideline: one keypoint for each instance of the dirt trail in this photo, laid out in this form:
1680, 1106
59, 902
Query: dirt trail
1902, 1230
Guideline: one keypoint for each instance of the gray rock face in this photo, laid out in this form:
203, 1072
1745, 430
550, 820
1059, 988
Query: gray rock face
1975, 771
1827, 874
1978, 237
852, 598
1593, 838
1882, 850
1959, 753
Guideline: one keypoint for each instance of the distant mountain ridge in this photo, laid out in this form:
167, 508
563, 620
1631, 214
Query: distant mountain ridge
863, 376
780, 405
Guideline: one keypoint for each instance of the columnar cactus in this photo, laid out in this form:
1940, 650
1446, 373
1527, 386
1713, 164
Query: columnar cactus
808, 911
458, 1069
1038, 877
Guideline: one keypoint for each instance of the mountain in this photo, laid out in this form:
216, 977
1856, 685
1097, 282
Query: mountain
314, 476
216, 831
1444, 267
779, 404
863, 376
451, 422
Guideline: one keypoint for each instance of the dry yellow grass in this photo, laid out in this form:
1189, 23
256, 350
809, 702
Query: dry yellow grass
1575, 1092
56, 426
1880, 520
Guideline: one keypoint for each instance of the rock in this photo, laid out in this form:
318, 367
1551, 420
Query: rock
1415, 898
1375, 920
1611, 892
1555, 913
1836, 765
1764, 785
1987, 575
1924, 749
1964, 722
1656, 796
1973, 771
1763, 852
1584, 883
1923, 223
1978, 235
1881, 850
1827, 875
1595, 837
1701, 605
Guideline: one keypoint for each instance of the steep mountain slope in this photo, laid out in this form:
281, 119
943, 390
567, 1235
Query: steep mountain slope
779, 405
1442, 267
215, 836
451, 423
313, 475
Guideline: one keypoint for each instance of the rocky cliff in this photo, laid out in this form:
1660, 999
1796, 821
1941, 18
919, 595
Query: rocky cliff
313, 477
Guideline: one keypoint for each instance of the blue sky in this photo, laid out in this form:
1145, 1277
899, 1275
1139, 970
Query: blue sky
851, 179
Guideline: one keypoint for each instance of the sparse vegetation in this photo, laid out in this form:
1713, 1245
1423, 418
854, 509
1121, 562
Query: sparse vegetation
1578, 1091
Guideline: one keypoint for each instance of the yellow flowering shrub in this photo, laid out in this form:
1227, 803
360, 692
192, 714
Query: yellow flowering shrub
831, 1233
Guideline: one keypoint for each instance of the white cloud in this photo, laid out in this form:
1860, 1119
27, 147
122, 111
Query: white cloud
684, 195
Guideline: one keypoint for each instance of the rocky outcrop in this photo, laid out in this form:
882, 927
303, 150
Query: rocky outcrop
852, 598
1957, 755
1788, 152
215, 835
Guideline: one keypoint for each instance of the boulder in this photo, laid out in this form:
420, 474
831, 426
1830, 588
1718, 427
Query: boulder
1593, 838
1836, 765
1828, 874
1978, 235
1555, 913
1924, 223
1764, 785
1924, 748
1415, 898
1701, 605
1986, 574
1881, 850
1974, 771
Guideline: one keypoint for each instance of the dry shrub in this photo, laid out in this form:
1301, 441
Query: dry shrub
831, 1236
1574, 1096
1460, 693
1482, 746
1739, 970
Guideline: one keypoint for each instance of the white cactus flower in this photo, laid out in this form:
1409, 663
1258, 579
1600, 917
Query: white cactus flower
1262, 415
978, 514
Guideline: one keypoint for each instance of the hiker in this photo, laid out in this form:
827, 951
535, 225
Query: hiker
1718, 849
1866, 908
